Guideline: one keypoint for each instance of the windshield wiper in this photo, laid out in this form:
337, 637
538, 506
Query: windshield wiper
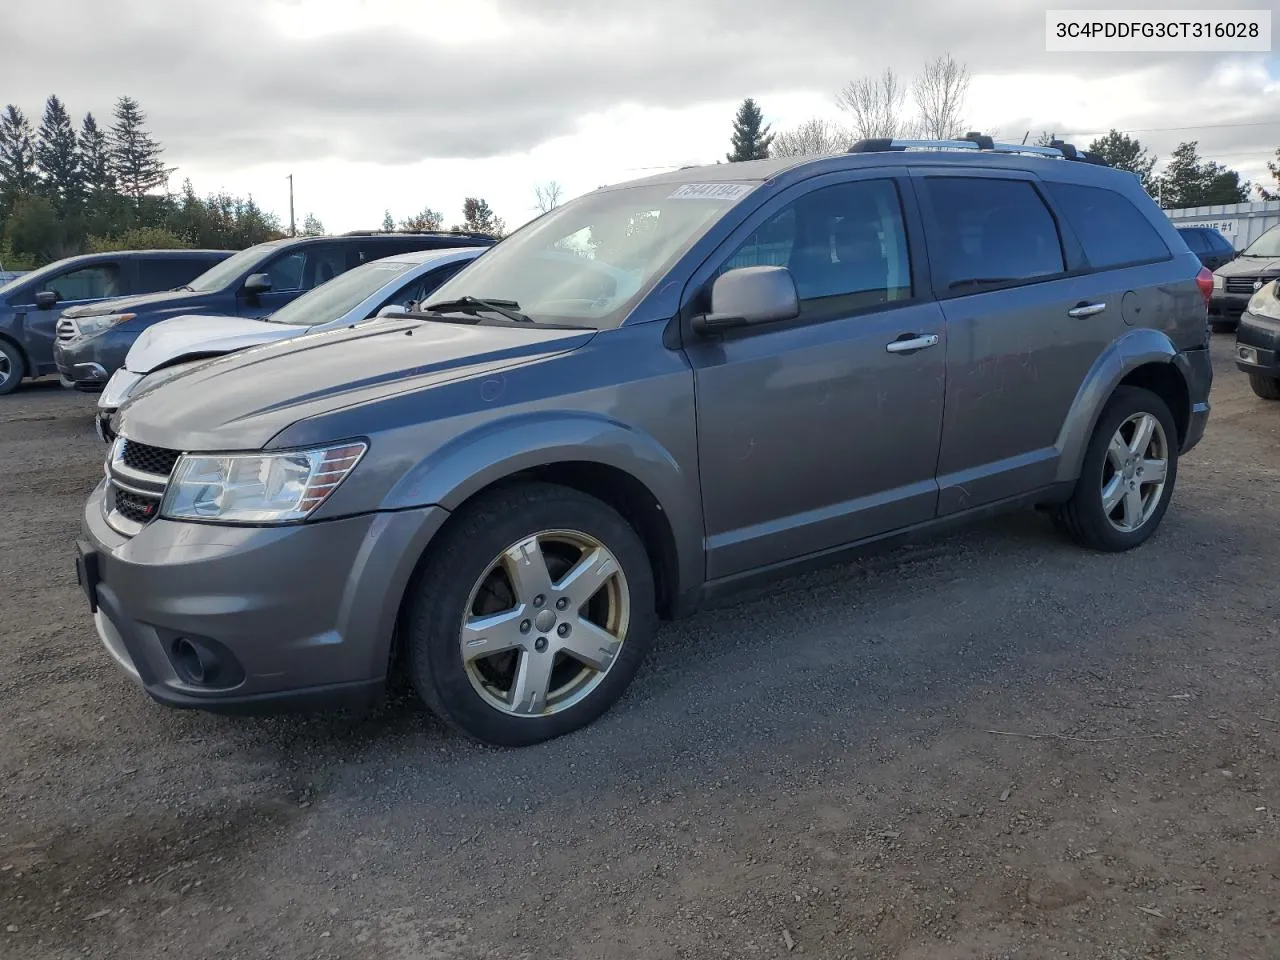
506, 308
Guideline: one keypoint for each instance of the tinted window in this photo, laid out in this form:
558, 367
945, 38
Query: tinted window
845, 245
87, 283
1195, 240
1112, 230
167, 274
1220, 243
991, 231
307, 267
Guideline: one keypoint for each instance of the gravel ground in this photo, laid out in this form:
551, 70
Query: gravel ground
995, 745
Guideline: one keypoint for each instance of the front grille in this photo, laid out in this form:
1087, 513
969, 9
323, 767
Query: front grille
156, 460
134, 507
66, 329
1239, 285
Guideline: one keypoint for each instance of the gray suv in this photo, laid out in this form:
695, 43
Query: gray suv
652, 395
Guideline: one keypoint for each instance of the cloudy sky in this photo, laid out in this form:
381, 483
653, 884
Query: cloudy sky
401, 104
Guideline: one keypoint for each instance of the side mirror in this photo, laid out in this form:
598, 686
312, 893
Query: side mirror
45, 299
748, 296
257, 283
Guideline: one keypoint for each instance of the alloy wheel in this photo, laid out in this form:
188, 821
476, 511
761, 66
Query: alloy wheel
1134, 472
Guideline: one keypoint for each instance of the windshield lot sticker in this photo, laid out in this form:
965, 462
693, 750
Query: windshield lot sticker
712, 191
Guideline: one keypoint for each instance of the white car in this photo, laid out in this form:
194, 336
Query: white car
352, 297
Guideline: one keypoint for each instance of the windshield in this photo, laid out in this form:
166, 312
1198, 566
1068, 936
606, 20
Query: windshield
219, 275
1267, 245
591, 260
333, 298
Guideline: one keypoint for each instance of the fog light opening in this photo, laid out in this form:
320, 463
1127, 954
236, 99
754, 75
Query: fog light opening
192, 663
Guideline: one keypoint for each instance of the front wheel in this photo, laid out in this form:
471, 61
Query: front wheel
531, 616
1268, 388
1127, 476
12, 367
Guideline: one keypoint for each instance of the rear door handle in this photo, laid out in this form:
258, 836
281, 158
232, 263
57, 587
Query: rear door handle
915, 343
1086, 310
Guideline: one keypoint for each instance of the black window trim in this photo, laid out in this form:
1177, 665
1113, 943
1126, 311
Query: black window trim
702, 275
1073, 259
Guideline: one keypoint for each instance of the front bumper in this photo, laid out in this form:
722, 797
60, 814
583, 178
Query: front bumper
1257, 348
1228, 306
298, 615
87, 363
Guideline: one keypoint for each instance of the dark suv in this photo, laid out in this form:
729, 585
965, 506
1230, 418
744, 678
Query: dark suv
31, 304
651, 395
1213, 249
92, 340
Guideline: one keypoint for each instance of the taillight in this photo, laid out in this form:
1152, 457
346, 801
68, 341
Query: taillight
1204, 280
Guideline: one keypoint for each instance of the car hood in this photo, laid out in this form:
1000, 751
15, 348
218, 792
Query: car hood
165, 298
241, 400
1249, 267
193, 335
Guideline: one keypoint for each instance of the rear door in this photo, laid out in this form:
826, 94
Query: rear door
1025, 323
816, 432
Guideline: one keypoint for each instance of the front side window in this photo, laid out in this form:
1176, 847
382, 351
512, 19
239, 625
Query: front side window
88, 283
246, 261
590, 261
991, 232
845, 245
1111, 229
306, 268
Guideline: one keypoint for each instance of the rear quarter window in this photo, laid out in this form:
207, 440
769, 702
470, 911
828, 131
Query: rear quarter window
1195, 240
1113, 232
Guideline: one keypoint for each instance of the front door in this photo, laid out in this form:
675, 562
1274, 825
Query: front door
74, 288
821, 431
293, 273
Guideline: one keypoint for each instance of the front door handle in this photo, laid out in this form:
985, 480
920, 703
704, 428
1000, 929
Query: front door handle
915, 343
1086, 310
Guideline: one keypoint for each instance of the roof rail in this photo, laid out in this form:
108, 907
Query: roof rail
980, 142
476, 234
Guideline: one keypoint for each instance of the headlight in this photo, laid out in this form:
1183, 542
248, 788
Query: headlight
257, 487
1218, 282
1266, 302
94, 325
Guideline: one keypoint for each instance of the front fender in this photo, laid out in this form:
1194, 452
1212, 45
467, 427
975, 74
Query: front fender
461, 468
1123, 356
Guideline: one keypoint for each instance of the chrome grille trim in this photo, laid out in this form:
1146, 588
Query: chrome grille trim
66, 330
133, 483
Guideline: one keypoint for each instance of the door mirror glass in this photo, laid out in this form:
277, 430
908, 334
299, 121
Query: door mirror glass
46, 299
747, 296
257, 283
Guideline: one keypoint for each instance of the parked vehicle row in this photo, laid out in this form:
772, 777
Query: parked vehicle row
652, 395
32, 304
1235, 283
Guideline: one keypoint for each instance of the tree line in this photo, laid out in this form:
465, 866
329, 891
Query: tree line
932, 106
66, 190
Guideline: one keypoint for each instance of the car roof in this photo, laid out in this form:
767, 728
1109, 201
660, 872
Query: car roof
428, 256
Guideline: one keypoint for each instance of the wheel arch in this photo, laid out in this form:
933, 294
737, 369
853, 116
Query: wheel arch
1142, 358
22, 351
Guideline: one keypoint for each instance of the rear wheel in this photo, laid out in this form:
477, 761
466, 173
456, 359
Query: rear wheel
532, 615
1128, 474
1268, 388
12, 367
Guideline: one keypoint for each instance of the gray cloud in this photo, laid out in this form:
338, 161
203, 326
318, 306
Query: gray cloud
220, 86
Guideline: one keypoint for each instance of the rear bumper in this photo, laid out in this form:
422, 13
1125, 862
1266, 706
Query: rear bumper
1197, 371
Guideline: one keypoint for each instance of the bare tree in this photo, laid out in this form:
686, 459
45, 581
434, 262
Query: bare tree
876, 105
939, 92
814, 137
548, 195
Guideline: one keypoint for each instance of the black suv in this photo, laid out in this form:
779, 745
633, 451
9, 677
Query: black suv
1213, 249
92, 340
31, 304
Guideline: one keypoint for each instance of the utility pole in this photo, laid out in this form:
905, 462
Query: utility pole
292, 231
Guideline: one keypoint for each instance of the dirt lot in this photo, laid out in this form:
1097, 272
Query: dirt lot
813, 771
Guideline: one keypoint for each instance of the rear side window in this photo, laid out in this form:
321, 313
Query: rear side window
991, 232
156, 275
1195, 240
1111, 229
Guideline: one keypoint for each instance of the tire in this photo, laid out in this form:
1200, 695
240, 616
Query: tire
13, 367
1084, 517
465, 577
1268, 388
1224, 326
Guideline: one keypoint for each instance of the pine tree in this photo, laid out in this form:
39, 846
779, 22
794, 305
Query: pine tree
751, 137
387, 222
135, 155
95, 160
478, 217
1125, 153
1189, 181
18, 176
57, 158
